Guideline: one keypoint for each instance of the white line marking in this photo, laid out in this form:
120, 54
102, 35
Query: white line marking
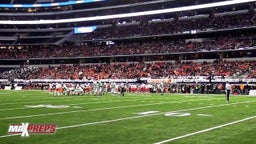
207, 115
57, 101
74, 98
45, 97
206, 130
54, 100
4, 136
136, 117
147, 112
37, 98
98, 109
36, 101
93, 102
177, 114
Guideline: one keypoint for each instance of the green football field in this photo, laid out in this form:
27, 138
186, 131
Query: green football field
132, 119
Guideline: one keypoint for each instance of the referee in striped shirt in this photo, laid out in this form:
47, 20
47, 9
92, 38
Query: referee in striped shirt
228, 88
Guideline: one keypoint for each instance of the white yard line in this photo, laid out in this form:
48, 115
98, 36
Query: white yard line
130, 95
32, 96
60, 100
89, 110
36, 101
206, 130
136, 117
93, 102
2, 95
18, 99
65, 98
3, 136
50, 102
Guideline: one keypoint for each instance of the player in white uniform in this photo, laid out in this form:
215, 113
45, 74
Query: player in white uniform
105, 88
66, 91
57, 89
100, 88
50, 90
94, 88
113, 88
78, 90
161, 86
72, 89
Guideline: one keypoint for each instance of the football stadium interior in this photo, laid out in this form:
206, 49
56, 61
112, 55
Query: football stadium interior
127, 71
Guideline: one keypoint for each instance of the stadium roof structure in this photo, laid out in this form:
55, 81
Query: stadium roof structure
47, 4
125, 15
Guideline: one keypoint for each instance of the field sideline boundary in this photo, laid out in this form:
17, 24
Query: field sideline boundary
62, 98
68, 98
92, 102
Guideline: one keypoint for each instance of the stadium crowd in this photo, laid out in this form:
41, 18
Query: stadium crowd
135, 70
22, 72
149, 47
176, 26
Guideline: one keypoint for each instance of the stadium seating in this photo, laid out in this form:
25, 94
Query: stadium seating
153, 47
176, 26
135, 70
217, 31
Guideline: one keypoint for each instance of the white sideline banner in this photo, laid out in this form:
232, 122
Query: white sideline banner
18, 88
252, 92
7, 88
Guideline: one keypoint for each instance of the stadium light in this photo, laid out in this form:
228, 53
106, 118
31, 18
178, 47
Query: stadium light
124, 15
